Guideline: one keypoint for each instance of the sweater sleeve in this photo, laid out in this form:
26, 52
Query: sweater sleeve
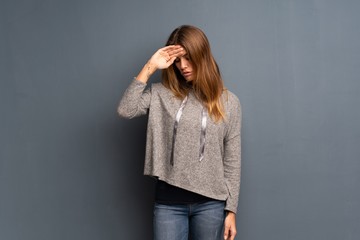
232, 156
135, 101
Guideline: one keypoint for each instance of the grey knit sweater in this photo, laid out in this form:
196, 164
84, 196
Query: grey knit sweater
217, 175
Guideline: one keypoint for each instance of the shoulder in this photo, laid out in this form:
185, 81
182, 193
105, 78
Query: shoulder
158, 87
159, 91
232, 108
230, 100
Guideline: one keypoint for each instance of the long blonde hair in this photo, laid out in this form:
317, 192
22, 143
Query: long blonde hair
207, 85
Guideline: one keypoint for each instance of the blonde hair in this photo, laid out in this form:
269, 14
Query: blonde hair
207, 84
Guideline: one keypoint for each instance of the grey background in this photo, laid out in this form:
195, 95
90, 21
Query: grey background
71, 169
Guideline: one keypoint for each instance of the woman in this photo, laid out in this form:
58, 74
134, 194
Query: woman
193, 139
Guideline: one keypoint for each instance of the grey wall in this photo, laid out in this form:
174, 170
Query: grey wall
71, 169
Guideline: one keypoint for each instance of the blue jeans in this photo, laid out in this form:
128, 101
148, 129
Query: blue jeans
198, 221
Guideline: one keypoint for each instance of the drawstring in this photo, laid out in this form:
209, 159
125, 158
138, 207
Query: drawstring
177, 119
202, 134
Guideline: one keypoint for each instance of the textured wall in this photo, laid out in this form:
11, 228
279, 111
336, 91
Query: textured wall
71, 169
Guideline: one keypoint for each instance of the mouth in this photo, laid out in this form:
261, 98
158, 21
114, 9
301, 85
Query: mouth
186, 74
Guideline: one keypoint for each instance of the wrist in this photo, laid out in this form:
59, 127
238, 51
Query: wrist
146, 72
230, 213
150, 68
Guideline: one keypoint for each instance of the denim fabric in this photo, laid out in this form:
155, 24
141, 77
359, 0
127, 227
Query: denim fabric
197, 221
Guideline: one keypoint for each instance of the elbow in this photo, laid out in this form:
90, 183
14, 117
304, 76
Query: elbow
125, 113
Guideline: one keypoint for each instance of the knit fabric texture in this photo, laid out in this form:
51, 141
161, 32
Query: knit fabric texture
217, 175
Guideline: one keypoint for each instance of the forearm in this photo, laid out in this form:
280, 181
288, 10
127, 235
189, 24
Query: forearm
135, 100
233, 198
146, 72
232, 171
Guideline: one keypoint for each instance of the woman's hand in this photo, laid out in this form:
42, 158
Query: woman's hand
161, 59
166, 56
230, 226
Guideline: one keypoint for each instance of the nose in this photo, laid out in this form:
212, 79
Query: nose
183, 63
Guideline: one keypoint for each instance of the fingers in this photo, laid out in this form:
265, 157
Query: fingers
171, 60
233, 234
226, 232
176, 52
229, 234
171, 47
173, 51
166, 56
230, 226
